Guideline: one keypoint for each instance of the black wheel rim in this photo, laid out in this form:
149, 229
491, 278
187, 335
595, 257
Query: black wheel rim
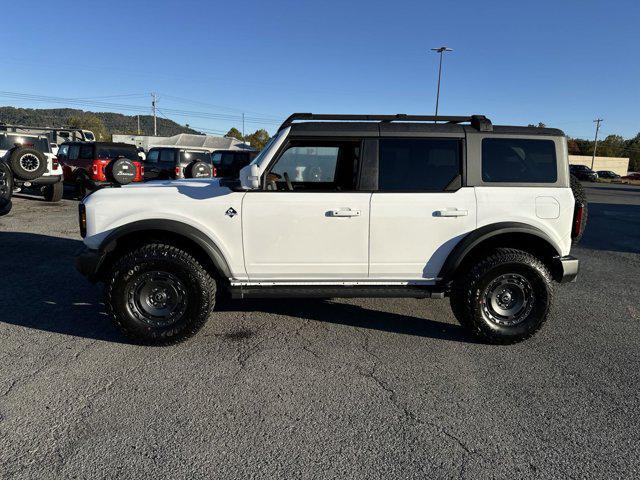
157, 298
508, 299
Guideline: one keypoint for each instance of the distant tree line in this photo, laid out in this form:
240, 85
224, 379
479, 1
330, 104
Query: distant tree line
257, 139
610, 146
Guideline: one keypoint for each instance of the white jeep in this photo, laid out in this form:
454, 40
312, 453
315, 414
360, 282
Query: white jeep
32, 163
348, 206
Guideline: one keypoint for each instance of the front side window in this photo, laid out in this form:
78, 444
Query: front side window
518, 160
422, 165
316, 166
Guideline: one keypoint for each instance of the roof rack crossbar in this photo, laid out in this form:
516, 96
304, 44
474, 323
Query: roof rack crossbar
480, 122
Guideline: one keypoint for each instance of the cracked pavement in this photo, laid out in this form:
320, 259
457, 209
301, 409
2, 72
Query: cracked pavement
354, 388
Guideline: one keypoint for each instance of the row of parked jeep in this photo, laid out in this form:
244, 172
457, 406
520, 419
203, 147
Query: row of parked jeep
28, 162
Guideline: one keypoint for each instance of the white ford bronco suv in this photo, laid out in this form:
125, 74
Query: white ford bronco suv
348, 206
32, 163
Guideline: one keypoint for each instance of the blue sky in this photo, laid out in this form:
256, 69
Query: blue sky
563, 63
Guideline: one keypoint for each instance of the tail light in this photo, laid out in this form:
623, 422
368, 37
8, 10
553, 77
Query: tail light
578, 215
55, 163
214, 172
97, 170
82, 219
178, 171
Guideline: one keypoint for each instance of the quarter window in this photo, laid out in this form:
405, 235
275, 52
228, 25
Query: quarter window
428, 165
518, 160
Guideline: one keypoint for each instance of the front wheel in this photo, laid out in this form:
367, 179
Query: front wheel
504, 298
159, 294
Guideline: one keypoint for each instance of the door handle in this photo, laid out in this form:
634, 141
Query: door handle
345, 212
451, 213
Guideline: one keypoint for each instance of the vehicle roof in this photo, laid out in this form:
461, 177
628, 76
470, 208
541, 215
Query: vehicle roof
112, 144
374, 129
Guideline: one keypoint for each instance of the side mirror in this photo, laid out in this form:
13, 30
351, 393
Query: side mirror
250, 177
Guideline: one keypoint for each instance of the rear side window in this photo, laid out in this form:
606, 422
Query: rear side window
167, 156
518, 160
86, 152
418, 164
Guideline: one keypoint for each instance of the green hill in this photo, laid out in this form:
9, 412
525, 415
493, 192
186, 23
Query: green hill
114, 122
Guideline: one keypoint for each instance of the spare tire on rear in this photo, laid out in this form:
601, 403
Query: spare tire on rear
27, 163
198, 170
121, 171
580, 197
6, 188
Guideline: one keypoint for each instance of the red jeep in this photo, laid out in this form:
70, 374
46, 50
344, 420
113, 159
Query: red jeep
93, 165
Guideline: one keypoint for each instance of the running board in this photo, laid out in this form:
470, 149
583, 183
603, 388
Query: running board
333, 291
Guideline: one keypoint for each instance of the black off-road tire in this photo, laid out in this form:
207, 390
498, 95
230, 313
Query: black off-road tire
27, 163
121, 171
6, 188
131, 275
580, 197
469, 290
198, 170
80, 186
53, 193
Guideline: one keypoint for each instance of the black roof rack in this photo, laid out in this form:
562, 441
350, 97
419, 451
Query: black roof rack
479, 122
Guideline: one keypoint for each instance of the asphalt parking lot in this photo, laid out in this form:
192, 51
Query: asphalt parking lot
318, 389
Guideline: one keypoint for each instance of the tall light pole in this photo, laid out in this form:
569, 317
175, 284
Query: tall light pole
595, 142
441, 51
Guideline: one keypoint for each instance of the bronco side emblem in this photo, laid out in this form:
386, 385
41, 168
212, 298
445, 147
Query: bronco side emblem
231, 212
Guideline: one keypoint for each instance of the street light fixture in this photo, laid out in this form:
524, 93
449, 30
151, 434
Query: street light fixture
441, 51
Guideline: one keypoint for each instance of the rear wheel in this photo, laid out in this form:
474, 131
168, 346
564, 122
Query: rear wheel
503, 298
53, 193
159, 294
580, 198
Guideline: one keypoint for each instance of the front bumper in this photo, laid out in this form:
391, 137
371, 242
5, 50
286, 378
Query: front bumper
568, 269
88, 263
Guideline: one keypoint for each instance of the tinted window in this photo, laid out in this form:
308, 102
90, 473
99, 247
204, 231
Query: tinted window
216, 158
63, 150
114, 151
418, 164
86, 152
195, 157
316, 166
73, 152
167, 156
152, 157
518, 160
9, 141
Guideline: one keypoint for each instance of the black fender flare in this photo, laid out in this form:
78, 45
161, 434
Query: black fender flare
475, 238
173, 226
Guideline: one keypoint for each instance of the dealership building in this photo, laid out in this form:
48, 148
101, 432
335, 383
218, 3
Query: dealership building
184, 140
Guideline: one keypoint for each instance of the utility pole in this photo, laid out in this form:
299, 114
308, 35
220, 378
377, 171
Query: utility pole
441, 51
243, 126
154, 99
595, 142
138, 124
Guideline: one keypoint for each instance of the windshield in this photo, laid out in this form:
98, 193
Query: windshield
264, 151
9, 141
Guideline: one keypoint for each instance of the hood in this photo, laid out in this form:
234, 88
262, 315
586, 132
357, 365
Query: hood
187, 182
